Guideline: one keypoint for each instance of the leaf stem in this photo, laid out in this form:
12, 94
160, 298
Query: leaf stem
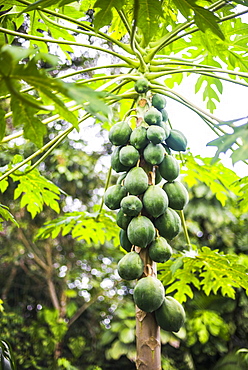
11, 137
128, 60
105, 188
81, 24
157, 71
184, 101
81, 71
32, 156
185, 230
42, 158
52, 142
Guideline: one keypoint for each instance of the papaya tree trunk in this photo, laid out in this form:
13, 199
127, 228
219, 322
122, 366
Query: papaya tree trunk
148, 344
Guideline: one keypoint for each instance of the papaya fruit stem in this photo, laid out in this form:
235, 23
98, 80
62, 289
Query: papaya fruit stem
128, 112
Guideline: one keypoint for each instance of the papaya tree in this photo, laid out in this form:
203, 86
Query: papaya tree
143, 49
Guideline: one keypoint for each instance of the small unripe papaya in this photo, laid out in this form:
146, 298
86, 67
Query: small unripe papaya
160, 251
131, 266
177, 194
136, 181
158, 101
129, 156
138, 138
154, 153
153, 116
114, 195
141, 231
141, 85
119, 134
176, 141
169, 168
156, 134
131, 205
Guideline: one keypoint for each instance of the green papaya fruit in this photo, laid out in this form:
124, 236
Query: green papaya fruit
114, 195
148, 294
129, 156
122, 219
124, 241
170, 315
153, 116
177, 194
136, 181
156, 134
119, 134
164, 115
131, 205
160, 251
115, 161
154, 153
141, 85
131, 266
138, 138
158, 101
176, 141
168, 224
141, 231
169, 168
155, 201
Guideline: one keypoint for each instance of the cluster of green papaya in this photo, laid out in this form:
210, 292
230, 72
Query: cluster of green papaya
147, 213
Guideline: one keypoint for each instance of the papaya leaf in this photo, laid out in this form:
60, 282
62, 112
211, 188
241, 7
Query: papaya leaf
35, 191
23, 114
227, 141
105, 15
148, 14
3, 184
242, 2
45, 4
216, 176
5, 215
82, 226
207, 270
240, 187
185, 7
206, 20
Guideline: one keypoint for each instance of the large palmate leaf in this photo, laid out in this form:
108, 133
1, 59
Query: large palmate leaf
216, 176
227, 141
46, 3
203, 17
26, 108
147, 14
104, 16
240, 186
206, 270
5, 215
35, 190
82, 226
